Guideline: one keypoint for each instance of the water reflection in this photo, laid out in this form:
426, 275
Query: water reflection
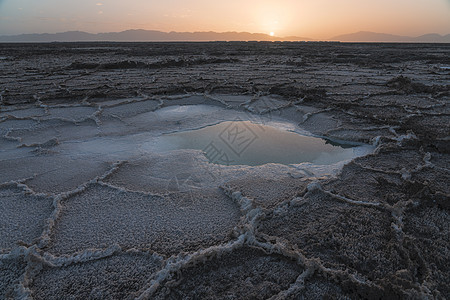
246, 143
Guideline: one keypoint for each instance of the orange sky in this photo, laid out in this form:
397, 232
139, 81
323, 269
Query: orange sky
318, 19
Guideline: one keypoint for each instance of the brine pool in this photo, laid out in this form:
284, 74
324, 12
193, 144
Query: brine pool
252, 144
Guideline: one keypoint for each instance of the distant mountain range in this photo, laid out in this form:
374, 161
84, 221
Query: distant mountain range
140, 35
367, 36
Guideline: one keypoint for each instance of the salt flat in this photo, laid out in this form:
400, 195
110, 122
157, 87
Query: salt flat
94, 207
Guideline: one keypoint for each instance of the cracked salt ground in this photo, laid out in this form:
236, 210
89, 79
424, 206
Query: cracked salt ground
180, 221
92, 179
22, 217
115, 277
100, 195
376, 227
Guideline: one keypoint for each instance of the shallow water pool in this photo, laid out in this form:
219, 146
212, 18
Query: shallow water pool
247, 143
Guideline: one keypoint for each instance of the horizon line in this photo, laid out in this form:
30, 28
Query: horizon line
267, 37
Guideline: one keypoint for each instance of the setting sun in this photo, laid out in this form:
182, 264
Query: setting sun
321, 20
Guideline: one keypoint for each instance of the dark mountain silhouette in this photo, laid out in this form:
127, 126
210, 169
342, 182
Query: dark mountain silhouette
140, 35
433, 37
367, 36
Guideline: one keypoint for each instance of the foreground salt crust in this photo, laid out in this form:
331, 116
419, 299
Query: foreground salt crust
110, 191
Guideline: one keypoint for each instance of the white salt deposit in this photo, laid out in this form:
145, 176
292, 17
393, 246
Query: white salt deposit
138, 174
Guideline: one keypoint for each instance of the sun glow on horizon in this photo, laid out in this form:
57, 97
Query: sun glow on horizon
311, 19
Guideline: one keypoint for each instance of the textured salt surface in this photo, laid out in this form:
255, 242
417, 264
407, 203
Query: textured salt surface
310, 224
101, 216
11, 271
249, 273
50, 173
116, 220
119, 183
22, 217
115, 186
116, 277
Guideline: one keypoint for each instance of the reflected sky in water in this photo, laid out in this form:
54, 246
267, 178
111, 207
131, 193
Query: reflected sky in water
246, 143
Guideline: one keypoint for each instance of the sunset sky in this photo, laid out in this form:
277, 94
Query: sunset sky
317, 19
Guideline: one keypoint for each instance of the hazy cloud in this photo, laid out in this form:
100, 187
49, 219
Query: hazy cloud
99, 4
